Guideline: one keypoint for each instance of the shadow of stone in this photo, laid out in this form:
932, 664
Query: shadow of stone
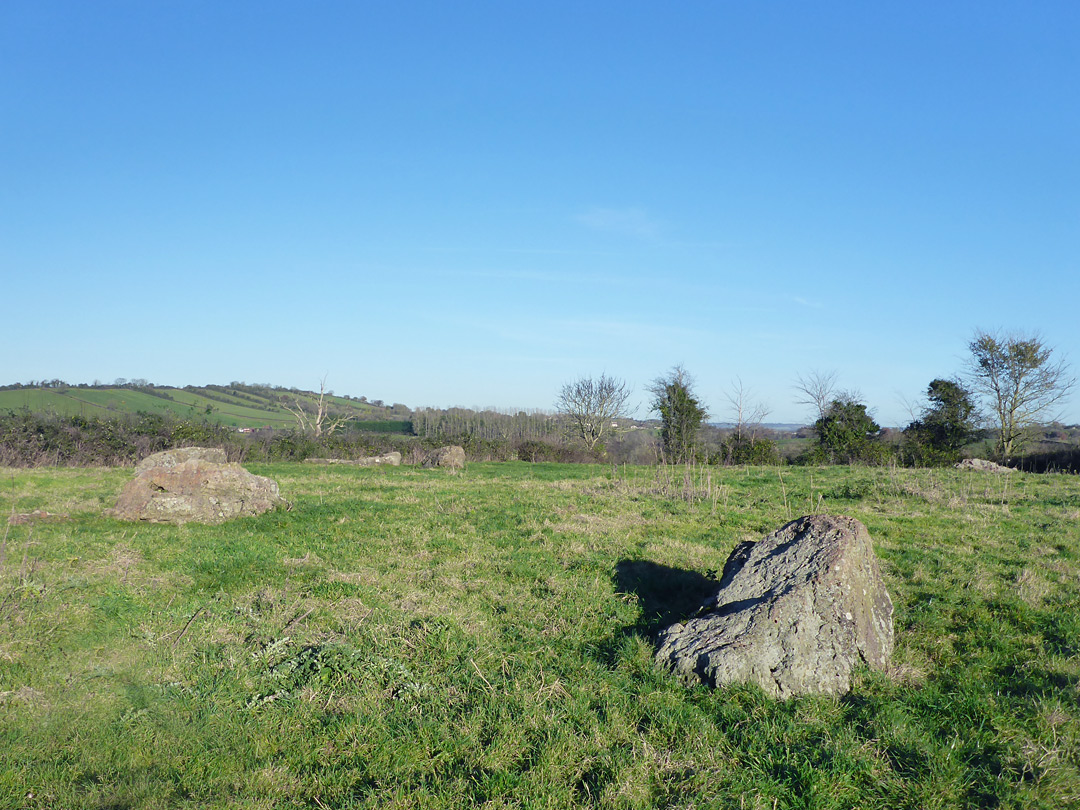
666, 595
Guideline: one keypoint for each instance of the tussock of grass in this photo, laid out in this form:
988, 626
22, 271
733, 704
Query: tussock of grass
406, 638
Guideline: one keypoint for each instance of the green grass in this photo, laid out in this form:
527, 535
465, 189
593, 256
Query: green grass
411, 638
111, 402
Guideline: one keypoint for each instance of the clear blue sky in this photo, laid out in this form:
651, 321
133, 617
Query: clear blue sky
463, 203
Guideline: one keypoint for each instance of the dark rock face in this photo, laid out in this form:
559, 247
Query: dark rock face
188, 488
794, 613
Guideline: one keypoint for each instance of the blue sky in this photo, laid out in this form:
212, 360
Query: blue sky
473, 203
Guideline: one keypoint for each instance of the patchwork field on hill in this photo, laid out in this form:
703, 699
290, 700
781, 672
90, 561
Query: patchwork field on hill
236, 406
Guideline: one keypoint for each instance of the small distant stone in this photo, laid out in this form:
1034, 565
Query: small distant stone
981, 464
388, 459
181, 486
452, 457
793, 613
38, 515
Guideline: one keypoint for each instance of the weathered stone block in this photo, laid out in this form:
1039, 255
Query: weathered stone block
794, 613
175, 487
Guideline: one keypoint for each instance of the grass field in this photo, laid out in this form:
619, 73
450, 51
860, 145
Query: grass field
225, 409
410, 638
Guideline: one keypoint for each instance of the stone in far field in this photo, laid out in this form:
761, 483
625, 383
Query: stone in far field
794, 613
191, 485
452, 457
392, 459
981, 464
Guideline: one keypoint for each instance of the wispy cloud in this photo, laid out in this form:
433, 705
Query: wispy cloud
636, 332
634, 222
570, 335
803, 302
524, 250
540, 276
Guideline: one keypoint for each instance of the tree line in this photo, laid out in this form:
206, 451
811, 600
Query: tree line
453, 423
1011, 384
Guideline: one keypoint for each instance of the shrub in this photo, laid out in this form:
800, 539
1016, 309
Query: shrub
746, 450
535, 450
847, 434
945, 426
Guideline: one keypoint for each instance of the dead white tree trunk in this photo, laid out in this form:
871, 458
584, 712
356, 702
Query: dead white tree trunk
320, 423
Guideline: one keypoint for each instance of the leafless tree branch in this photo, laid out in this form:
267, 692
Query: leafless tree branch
591, 405
320, 423
1022, 385
817, 389
747, 415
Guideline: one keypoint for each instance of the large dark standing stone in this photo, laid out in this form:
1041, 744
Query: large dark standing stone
794, 613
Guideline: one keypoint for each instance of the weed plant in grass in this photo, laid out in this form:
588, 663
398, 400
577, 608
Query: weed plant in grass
410, 638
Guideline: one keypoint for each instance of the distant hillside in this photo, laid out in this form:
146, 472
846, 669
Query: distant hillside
779, 427
237, 405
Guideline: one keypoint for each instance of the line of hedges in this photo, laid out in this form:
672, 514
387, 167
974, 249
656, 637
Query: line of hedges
30, 439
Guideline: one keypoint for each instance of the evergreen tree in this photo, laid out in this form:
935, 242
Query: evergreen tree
681, 414
846, 433
946, 425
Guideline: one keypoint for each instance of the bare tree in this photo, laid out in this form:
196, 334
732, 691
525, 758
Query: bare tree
590, 406
1021, 384
747, 416
319, 423
817, 389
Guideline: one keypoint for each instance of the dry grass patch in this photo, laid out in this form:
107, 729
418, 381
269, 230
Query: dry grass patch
1032, 587
367, 576
127, 566
593, 524
309, 560
24, 695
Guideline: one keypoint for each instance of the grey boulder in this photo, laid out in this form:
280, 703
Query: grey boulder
181, 487
178, 455
452, 457
981, 464
794, 613
392, 459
